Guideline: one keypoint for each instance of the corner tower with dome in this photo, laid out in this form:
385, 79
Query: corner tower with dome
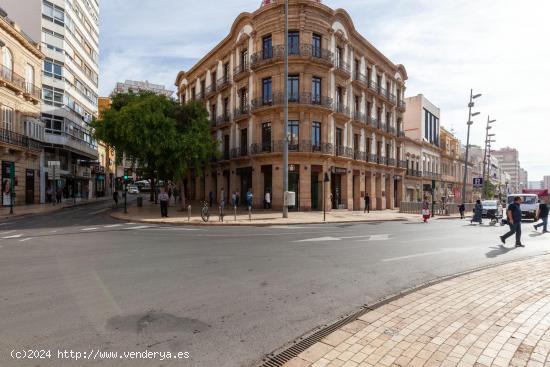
346, 104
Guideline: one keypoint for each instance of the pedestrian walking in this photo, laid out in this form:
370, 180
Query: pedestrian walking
164, 200
234, 200
237, 198
115, 198
462, 209
222, 205
425, 210
58, 195
49, 195
514, 221
267, 200
478, 210
249, 197
169, 193
367, 203
211, 198
542, 215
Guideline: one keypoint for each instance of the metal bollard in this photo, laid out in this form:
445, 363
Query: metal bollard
250, 214
189, 213
235, 213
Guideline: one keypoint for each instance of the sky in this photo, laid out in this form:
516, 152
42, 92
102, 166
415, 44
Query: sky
498, 48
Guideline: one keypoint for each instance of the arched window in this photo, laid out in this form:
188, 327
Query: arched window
29, 77
7, 62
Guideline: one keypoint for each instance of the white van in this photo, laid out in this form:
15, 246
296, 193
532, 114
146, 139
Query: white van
529, 204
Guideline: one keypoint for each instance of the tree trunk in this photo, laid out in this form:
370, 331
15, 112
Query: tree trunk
153, 190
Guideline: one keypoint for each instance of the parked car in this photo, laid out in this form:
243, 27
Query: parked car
133, 189
491, 208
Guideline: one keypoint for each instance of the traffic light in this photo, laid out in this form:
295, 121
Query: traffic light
125, 174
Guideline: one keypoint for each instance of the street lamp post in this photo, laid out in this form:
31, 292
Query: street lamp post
470, 122
285, 129
486, 161
325, 180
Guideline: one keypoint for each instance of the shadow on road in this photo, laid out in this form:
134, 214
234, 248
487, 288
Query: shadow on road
536, 234
498, 250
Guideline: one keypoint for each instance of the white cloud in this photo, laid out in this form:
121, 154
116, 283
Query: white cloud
499, 48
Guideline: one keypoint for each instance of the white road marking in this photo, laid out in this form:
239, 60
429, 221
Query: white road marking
89, 229
6, 232
113, 225
14, 236
99, 211
320, 239
376, 237
130, 223
25, 239
138, 227
438, 252
55, 231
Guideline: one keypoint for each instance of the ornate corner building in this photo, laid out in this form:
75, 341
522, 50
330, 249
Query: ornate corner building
21, 131
346, 105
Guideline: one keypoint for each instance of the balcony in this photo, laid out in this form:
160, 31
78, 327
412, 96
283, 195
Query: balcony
400, 133
240, 152
393, 99
359, 155
391, 162
210, 90
360, 79
342, 68
373, 158
267, 56
359, 117
304, 98
391, 130
401, 106
223, 120
222, 83
213, 122
19, 85
241, 71
20, 141
342, 151
373, 87
241, 113
316, 54
342, 109
262, 148
71, 143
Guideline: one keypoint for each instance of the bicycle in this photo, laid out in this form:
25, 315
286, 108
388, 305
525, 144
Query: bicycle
205, 215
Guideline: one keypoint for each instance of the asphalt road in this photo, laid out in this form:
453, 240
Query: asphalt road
79, 280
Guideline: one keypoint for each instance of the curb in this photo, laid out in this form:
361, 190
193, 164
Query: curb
292, 349
249, 224
120, 216
56, 209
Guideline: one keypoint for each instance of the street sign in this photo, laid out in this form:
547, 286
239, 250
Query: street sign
478, 182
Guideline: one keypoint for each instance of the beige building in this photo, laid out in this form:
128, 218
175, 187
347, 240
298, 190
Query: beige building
452, 167
345, 110
21, 131
509, 161
421, 122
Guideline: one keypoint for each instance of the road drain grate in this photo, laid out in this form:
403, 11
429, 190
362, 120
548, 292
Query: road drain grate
278, 359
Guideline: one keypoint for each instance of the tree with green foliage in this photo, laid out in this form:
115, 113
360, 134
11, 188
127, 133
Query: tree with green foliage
161, 137
489, 190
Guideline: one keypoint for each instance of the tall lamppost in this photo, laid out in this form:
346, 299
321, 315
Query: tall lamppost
285, 128
485, 160
470, 122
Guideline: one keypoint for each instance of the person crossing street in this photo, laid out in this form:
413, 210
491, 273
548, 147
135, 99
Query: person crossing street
514, 221
164, 199
542, 215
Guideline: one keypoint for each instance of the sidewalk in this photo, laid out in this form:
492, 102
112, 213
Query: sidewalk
150, 213
45, 208
499, 316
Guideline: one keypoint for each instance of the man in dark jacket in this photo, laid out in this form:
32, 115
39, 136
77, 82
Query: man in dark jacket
514, 221
367, 203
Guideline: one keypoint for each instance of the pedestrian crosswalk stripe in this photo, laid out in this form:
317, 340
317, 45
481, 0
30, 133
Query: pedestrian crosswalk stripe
138, 227
113, 225
25, 239
14, 236
89, 229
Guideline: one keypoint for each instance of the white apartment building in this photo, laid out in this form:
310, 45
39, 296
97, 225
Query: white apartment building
69, 34
509, 161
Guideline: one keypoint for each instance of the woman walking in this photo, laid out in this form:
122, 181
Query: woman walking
478, 209
425, 210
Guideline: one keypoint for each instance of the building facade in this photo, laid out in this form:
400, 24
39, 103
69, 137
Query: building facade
21, 131
546, 180
452, 167
345, 110
523, 179
69, 31
142, 86
422, 152
509, 161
